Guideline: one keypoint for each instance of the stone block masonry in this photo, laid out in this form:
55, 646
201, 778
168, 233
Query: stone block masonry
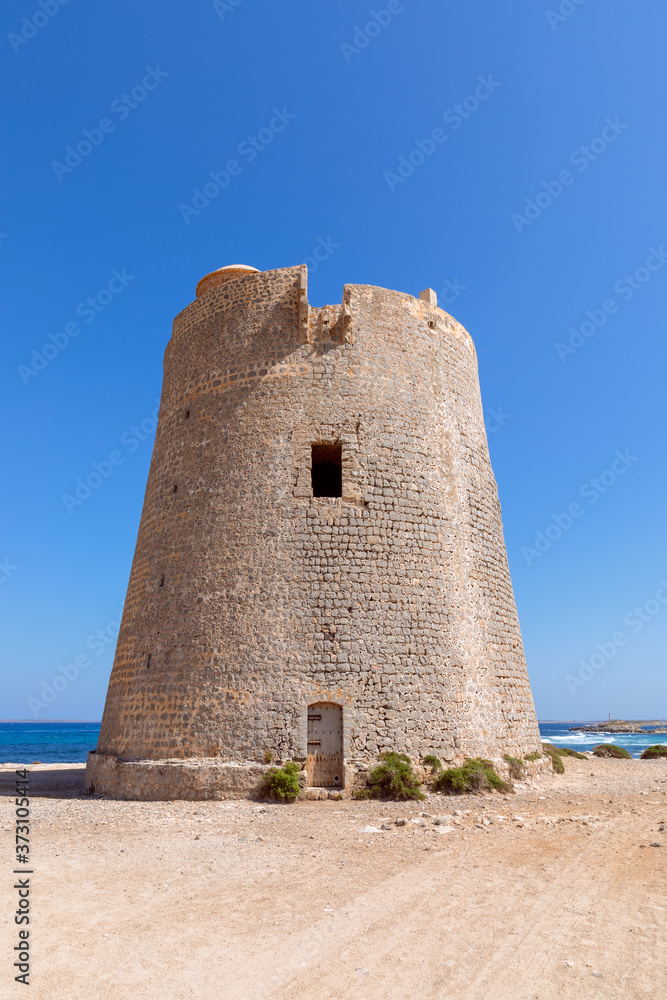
251, 601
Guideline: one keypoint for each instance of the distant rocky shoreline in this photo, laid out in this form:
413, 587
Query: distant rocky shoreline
621, 726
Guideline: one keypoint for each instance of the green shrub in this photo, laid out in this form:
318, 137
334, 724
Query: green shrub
557, 752
474, 775
611, 750
430, 760
515, 766
657, 750
535, 755
363, 793
268, 756
393, 778
552, 751
283, 782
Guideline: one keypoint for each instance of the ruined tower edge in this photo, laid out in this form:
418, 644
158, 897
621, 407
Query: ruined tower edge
263, 619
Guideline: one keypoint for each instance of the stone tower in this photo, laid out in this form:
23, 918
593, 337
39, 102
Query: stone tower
320, 571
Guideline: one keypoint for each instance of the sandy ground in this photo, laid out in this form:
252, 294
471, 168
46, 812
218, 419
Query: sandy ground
222, 900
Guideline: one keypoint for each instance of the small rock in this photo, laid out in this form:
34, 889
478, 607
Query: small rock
655, 844
387, 826
444, 829
370, 829
401, 822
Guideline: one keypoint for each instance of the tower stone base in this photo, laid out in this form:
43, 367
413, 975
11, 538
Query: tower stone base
209, 778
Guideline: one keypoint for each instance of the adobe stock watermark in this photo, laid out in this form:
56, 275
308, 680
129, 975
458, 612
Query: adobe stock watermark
322, 251
625, 288
222, 7
581, 157
495, 419
591, 491
31, 26
67, 674
378, 21
249, 149
130, 440
451, 290
88, 310
6, 569
566, 9
635, 621
454, 116
122, 107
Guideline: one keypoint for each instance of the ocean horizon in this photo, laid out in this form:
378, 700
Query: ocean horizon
66, 741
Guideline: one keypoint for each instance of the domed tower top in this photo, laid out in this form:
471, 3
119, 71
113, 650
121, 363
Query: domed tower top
216, 278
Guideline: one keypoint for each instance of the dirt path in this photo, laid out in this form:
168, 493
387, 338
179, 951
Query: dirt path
234, 900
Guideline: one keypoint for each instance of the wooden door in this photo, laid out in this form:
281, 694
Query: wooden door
325, 745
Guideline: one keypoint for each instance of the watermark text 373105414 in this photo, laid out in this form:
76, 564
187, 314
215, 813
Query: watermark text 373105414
23, 871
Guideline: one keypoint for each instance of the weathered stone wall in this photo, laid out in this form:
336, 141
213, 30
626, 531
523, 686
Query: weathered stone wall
250, 599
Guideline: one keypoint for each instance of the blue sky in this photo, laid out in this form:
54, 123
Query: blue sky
541, 204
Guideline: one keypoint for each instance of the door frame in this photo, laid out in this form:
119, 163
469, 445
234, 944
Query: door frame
340, 769
333, 698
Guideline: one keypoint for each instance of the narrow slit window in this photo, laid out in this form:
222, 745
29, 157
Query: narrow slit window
326, 470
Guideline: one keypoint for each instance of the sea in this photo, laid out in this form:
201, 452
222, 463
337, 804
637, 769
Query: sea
69, 742
559, 734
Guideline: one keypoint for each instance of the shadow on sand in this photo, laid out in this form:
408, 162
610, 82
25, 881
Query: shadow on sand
51, 783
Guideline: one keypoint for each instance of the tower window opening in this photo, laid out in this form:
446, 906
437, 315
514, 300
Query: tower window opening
327, 470
187, 414
162, 580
